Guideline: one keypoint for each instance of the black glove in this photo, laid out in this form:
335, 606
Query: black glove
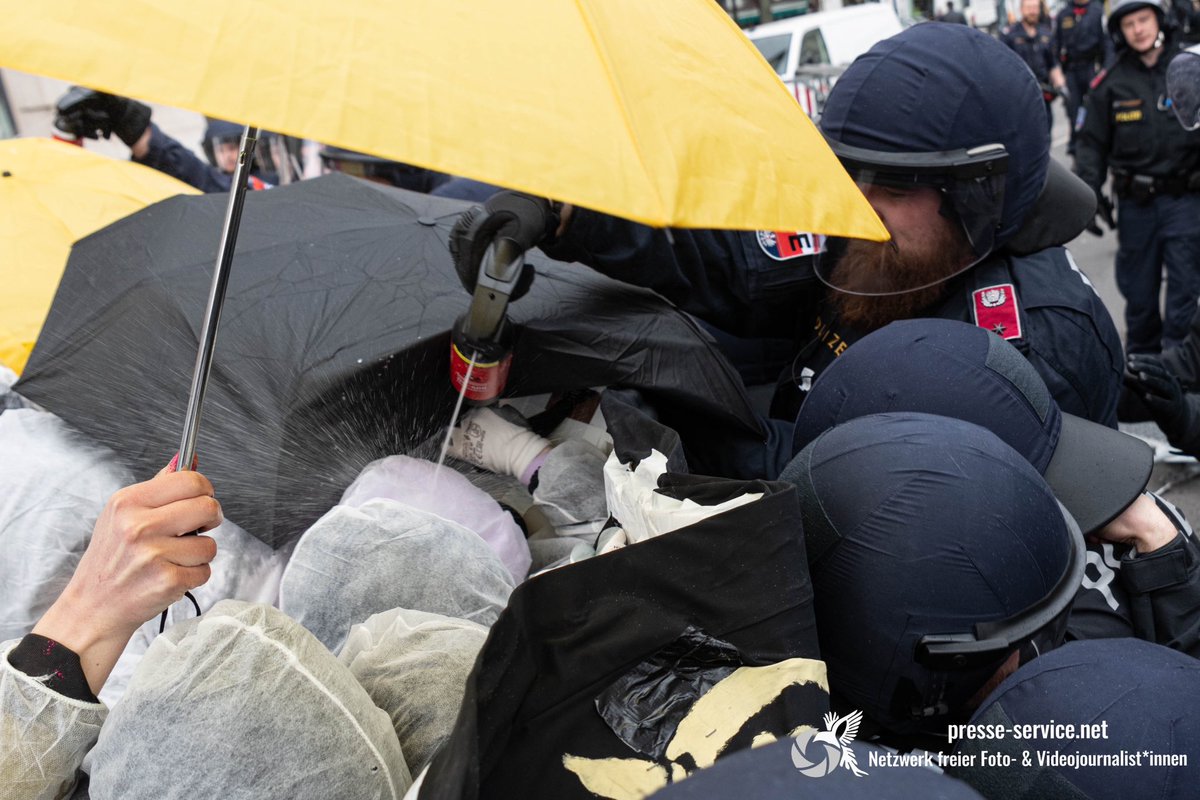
1177, 412
525, 219
1104, 211
91, 115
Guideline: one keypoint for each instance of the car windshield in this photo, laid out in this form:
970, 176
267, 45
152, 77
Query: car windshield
775, 50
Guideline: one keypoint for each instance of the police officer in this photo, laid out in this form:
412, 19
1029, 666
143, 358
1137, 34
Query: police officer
1184, 17
951, 16
85, 113
933, 124
1032, 41
1082, 49
1168, 385
1128, 128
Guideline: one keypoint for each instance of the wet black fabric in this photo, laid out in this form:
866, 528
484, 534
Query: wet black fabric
567, 635
334, 342
644, 706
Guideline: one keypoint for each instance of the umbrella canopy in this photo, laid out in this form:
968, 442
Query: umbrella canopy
52, 194
334, 342
662, 112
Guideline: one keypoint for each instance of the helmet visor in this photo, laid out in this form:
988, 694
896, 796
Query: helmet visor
1183, 88
950, 205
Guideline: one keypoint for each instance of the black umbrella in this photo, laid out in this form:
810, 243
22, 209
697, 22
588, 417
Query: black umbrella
334, 345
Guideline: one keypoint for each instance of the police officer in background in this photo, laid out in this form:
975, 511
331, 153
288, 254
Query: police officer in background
1032, 40
933, 124
951, 16
87, 114
1184, 16
1082, 49
1128, 128
1169, 384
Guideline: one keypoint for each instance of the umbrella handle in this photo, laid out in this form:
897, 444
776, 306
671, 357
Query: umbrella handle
216, 298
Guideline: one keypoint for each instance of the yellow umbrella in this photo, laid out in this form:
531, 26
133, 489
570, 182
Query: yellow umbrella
660, 111
51, 195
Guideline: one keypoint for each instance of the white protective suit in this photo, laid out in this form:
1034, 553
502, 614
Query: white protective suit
43, 735
245, 703
355, 562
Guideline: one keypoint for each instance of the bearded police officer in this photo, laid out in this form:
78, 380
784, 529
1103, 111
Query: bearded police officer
933, 124
1129, 128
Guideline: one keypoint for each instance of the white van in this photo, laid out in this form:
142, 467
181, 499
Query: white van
808, 52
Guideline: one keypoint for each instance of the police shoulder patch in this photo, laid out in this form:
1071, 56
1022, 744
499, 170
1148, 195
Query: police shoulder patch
995, 309
786, 245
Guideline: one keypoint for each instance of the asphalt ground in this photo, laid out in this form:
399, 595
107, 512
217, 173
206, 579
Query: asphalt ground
1175, 477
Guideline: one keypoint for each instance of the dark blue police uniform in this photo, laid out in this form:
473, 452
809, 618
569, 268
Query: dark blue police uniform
1155, 164
1082, 48
1037, 50
169, 156
757, 289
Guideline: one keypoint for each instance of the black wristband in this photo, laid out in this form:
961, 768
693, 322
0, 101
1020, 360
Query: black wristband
54, 665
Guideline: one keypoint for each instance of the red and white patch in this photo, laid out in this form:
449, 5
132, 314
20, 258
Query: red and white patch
786, 245
995, 309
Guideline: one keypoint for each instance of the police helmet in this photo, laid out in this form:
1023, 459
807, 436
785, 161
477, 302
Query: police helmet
219, 131
364, 165
1183, 87
946, 107
1122, 7
1119, 696
936, 551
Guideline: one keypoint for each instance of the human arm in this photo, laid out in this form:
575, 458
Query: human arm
1094, 139
1160, 572
137, 562
89, 114
161, 152
723, 277
1184, 360
1057, 79
1174, 409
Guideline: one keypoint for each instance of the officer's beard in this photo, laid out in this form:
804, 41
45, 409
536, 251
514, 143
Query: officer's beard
885, 271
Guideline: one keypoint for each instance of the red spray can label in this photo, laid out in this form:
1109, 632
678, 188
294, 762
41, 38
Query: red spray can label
482, 367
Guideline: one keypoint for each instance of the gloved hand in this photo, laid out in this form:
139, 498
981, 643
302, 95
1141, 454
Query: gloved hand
1177, 412
488, 439
90, 114
1104, 212
525, 219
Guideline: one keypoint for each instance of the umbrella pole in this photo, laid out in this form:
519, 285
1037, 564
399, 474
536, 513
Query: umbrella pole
216, 298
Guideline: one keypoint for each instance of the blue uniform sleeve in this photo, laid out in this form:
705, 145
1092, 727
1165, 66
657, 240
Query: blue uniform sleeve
1164, 588
722, 277
169, 156
1071, 339
1056, 39
1095, 138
